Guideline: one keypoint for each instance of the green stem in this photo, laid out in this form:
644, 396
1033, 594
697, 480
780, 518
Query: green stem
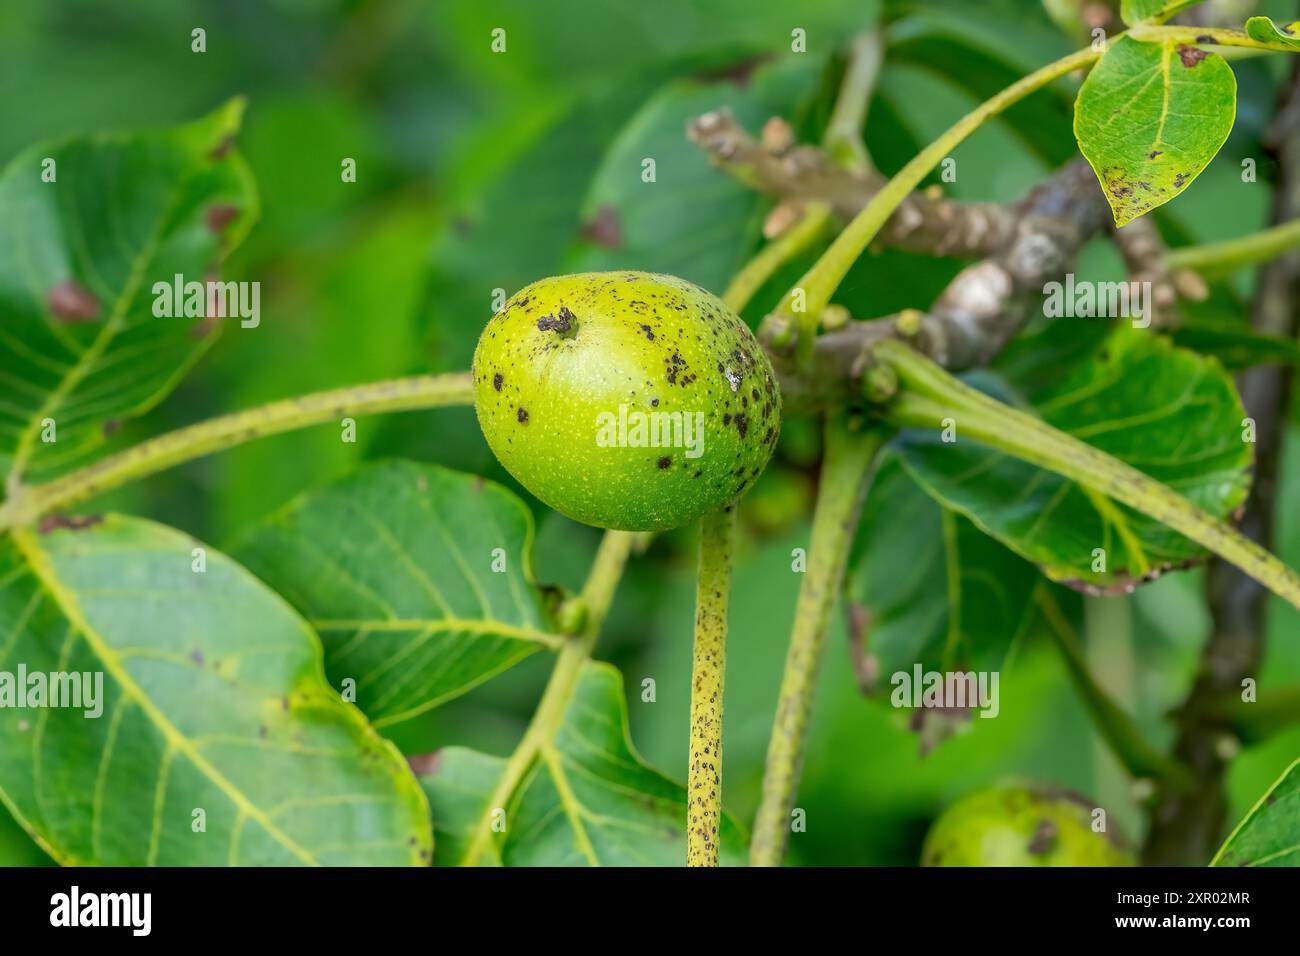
775, 254
227, 431
844, 479
597, 594
931, 395
821, 281
1114, 724
708, 666
1215, 259
843, 137
1205, 36
843, 143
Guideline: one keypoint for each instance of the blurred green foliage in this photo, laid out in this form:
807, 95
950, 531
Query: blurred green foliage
478, 171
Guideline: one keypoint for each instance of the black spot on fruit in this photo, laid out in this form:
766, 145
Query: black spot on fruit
497, 379
552, 323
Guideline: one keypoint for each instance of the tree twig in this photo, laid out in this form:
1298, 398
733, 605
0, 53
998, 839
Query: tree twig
1116, 727
1186, 825
802, 173
1143, 249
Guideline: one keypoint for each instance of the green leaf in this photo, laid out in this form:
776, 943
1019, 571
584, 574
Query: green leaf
1265, 31
1269, 835
588, 800
566, 44
1170, 413
417, 578
213, 699
692, 220
514, 224
1150, 117
79, 342
1238, 347
1136, 11
936, 590
458, 789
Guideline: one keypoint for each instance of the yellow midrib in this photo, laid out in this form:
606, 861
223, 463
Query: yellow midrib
443, 625
1109, 511
569, 803
44, 573
1166, 54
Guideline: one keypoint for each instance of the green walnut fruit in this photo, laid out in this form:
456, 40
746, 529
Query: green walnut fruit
625, 399
1021, 826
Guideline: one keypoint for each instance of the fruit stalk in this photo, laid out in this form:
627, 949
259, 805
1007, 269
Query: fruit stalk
704, 777
846, 467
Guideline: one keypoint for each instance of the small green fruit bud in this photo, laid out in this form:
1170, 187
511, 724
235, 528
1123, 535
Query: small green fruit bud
778, 331
571, 615
879, 383
834, 317
908, 323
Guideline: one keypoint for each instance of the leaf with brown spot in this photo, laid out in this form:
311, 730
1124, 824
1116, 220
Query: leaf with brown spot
221, 216
1150, 117
312, 784
71, 303
84, 347
604, 229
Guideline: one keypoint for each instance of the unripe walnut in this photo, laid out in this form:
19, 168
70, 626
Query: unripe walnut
626, 400
1028, 825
